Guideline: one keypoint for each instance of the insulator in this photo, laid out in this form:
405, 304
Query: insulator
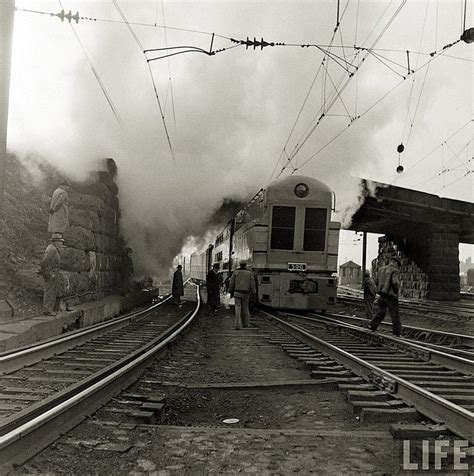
400, 148
400, 169
468, 36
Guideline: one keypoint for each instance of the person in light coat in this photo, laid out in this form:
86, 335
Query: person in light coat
59, 211
387, 288
241, 287
49, 269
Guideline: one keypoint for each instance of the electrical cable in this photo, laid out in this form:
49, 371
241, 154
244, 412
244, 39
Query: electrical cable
106, 20
169, 66
455, 133
161, 110
137, 40
97, 76
379, 36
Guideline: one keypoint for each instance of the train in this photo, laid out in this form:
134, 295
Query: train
286, 236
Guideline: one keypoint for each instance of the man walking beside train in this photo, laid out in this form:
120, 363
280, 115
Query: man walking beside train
387, 288
241, 287
213, 284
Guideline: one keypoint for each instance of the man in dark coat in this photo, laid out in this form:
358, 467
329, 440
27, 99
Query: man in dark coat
387, 288
177, 289
213, 282
370, 290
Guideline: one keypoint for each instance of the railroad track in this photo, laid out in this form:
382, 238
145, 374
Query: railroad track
453, 343
49, 388
436, 384
459, 310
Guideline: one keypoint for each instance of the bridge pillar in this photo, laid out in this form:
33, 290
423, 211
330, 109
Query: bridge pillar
442, 264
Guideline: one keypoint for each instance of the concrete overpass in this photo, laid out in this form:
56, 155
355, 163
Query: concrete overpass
425, 230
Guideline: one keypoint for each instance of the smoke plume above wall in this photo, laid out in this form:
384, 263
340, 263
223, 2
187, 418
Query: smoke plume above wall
228, 121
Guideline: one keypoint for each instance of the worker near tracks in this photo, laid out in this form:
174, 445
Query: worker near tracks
241, 287
49, 269
177, 289
213, 283
370, 290
387, 288
59, 210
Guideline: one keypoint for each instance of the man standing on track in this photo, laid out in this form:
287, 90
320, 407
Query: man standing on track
242, 285
387, 288
177, 289
213, 283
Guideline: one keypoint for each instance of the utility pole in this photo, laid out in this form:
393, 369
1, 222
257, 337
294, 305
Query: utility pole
7, 13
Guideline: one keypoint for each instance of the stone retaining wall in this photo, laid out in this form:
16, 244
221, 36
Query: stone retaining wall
91, 258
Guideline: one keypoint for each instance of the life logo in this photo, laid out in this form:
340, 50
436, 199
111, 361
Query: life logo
438, 455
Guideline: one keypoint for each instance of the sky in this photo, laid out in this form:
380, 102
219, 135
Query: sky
227, 124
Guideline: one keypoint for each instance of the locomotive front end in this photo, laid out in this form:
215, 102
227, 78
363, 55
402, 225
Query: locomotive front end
302, 247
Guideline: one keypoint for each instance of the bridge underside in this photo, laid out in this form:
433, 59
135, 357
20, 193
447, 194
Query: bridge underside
425, 231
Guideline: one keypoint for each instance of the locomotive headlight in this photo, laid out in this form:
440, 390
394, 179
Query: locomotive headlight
301, 190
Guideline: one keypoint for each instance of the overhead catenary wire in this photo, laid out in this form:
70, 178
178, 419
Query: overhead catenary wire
170, 83
155, 89
409, 118
383, 97
374, 42
97, 76
161, 110
123, 22
454, 134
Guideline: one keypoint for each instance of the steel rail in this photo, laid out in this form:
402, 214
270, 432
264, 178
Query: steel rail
435, 356
465, 309
27, 355
462, 339
457, 419
19, 439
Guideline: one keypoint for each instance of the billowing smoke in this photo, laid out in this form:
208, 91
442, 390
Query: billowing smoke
228, 115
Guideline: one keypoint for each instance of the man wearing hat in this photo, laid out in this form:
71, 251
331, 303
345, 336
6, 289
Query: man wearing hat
242, 285
177, 288
49, 269
213, 284
387, 288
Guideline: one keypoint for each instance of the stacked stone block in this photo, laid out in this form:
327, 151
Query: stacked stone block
91, 257
413, 281
429, 264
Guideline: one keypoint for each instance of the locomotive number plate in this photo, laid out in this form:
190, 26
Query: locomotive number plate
296, 266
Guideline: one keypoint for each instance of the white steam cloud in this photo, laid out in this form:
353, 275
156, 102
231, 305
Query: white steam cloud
228, 115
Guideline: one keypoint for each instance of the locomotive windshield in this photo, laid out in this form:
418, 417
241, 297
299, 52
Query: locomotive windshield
315, 229
283, 228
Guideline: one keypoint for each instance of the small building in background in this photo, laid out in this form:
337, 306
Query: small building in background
350, 274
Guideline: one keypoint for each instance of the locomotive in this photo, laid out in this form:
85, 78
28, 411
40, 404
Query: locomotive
286, 235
